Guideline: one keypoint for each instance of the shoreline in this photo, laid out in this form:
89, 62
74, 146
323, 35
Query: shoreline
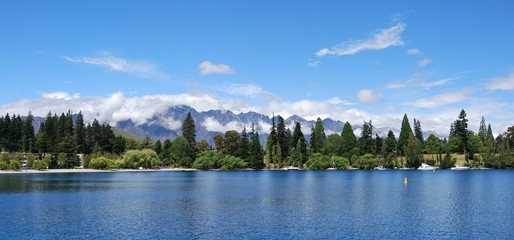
87, 170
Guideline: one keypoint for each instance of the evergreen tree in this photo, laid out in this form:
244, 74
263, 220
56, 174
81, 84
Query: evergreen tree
272, 139
298, 140
318, 137
348, 140
231, 141
405, 132
413, 152
157, 147
189, 132
378, 144
432, 145
166, 153
244, 147
389, 149
461, 130
418, 133
366, 139
284, 137
29, 138
482, 130
256, 150
80, 133
489, 136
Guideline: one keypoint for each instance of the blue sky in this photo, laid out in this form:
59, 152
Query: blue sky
348, 60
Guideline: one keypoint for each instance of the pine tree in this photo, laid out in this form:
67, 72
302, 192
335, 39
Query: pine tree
418, 133
413, 152
405, 132
482, 130
157, 147
283, 137
80, 133
256, 150
272, 139
461, 130
318, 137
244, 147
298, 140
366, 139
29, 137
348, 140
189, 132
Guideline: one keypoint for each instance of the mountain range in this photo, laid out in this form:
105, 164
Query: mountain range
168, 124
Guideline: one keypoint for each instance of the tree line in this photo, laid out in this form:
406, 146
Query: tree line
65, 141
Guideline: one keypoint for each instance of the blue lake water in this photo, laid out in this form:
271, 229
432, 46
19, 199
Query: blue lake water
259, 205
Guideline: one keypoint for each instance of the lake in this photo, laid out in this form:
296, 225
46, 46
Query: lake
259, 205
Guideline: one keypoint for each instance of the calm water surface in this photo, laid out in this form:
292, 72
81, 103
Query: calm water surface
259, 205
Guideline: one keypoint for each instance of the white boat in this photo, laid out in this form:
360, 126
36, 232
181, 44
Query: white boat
331, 169
292, 168
404, 168
460, 168
426, 167
380, 168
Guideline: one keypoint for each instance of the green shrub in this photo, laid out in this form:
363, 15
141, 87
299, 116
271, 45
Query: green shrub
4, 165
15, 165
40, 165
230, 162
99, 163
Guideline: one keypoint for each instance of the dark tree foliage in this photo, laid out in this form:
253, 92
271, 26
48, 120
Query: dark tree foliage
318, 137
256, 152
272, 140
244, 147
461, 131
366, 139
231, 141
348, 140
157, 147
482, 130
284, 137
405, 132
80, 133
418, 133
189, 132
298, 140
378, 144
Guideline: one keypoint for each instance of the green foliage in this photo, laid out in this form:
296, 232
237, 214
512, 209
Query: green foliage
283, 137
145, 158
447, 161
40, 165
318, 137
230, 162
256, 152
180, 150
318, 161
99, 163
231, 142
189, 133
333, 145
300, 145
413, 152
30, 159
165, 155
14, 165
207, 160
348, 139
4, 165
366, 161
405, 133
366, 139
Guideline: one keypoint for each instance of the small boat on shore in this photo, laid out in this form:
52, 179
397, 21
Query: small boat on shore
460, 168
426, 167
380, 168
292, 168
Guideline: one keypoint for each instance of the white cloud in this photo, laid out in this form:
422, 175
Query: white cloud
367, 96
207, 67
336, 100
382, 39
414, 51
117, 64
441, 99
420, 83
314, 63
212, 125
424, 62
60, 95
503, 83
